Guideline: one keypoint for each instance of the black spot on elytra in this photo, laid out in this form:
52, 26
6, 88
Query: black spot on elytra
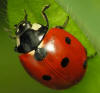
85, 64
67, 40
46, 77
40, 54
65, 62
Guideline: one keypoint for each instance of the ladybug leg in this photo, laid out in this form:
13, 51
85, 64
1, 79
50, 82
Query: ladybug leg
92, 56
10, 34
45, 16
12, 37
65, 23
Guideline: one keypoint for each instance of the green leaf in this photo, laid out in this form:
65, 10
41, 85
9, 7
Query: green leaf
86, 14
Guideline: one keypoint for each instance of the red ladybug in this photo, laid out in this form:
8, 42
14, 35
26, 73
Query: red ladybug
53, 57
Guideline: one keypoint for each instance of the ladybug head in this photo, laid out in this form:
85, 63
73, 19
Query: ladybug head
22, 26
29, 36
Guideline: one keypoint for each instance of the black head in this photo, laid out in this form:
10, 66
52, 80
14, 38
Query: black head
28, 36
22, 26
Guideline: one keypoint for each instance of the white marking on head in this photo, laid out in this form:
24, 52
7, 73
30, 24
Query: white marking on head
36, 26
18, 41
24, 24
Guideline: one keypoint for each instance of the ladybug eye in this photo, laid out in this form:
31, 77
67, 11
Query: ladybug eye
65, 62
21, 26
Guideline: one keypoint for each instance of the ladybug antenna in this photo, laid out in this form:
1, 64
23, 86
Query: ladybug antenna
65, 23
25, 18
92, 56
44, 15
10, 33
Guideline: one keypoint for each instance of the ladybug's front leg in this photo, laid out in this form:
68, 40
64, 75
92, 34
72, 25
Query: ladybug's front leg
92, 56
10, 34
65, 23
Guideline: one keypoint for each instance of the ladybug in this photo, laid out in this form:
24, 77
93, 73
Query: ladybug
53, 57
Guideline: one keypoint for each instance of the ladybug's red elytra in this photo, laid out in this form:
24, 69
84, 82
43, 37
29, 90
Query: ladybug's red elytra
53, 57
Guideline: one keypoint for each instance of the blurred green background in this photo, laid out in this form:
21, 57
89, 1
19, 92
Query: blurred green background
13, 78
87, 15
